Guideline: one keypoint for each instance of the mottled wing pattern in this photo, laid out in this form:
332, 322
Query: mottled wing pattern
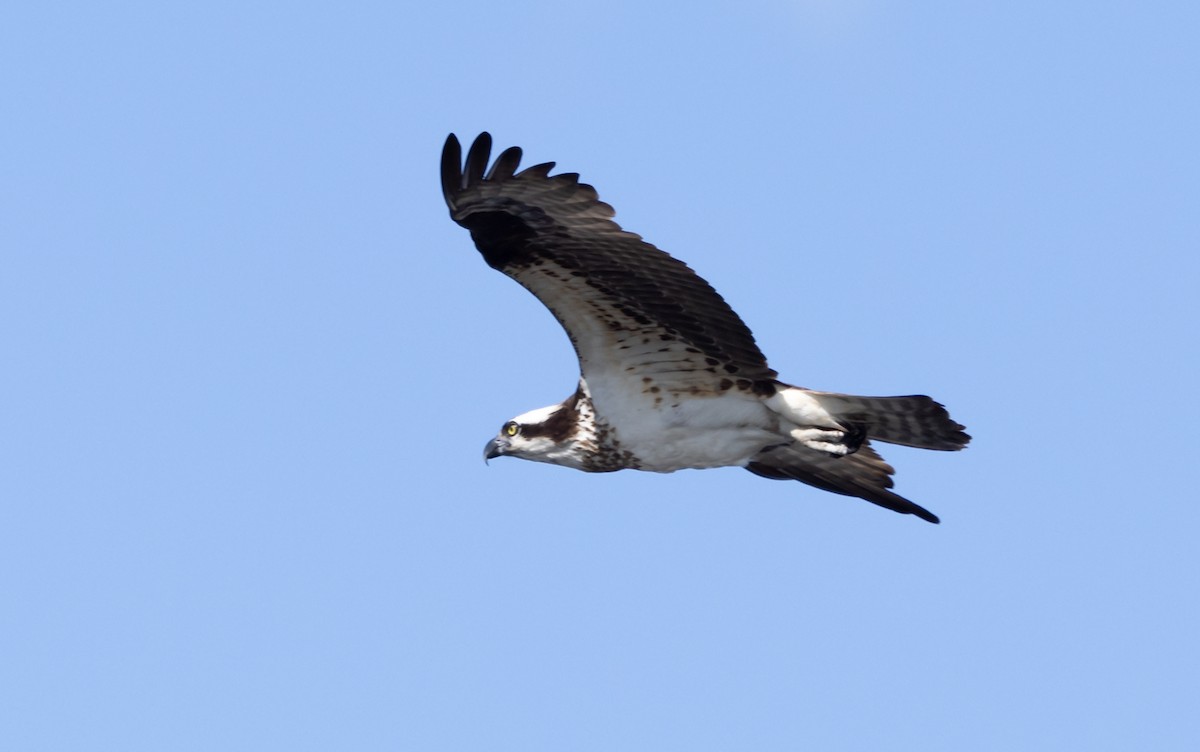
633, 313
863, 474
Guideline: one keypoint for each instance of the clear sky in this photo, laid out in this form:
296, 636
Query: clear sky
249, 367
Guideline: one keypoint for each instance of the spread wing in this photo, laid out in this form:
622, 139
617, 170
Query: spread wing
633, 313
863, 474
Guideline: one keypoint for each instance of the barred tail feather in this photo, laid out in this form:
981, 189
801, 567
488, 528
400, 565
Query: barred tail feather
914, 420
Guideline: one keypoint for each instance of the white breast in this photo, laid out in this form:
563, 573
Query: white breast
674, 431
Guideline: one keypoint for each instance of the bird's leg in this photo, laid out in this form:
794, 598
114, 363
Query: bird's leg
829, 441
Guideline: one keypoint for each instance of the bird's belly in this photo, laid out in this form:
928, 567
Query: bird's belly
697, 432
681, 450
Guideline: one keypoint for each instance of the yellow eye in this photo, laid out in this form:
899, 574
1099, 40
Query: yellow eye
511, 429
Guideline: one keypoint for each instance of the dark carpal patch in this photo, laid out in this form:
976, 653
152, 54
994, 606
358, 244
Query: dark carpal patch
502, 238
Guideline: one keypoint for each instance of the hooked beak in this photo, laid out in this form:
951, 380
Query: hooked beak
495, 448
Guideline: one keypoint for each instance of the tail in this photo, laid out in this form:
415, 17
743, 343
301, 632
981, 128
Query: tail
915, 421
839, 423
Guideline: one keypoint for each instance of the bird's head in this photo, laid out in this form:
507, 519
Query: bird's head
543, 435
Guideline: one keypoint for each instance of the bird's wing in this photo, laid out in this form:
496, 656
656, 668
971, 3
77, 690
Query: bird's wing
863, 474
634, 314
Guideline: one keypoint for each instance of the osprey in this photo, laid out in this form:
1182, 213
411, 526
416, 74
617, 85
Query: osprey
670, 377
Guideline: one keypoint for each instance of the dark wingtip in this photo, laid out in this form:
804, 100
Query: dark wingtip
451, 169
541, 171
925, 514
506, 164
477, 159
457, 177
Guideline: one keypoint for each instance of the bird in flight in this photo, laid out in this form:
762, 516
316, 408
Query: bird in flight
670, 377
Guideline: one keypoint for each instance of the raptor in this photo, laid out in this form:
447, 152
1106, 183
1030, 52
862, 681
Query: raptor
670, 377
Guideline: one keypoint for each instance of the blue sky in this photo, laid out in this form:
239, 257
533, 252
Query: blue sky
250, 366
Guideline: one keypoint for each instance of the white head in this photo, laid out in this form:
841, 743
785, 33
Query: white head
546, 434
